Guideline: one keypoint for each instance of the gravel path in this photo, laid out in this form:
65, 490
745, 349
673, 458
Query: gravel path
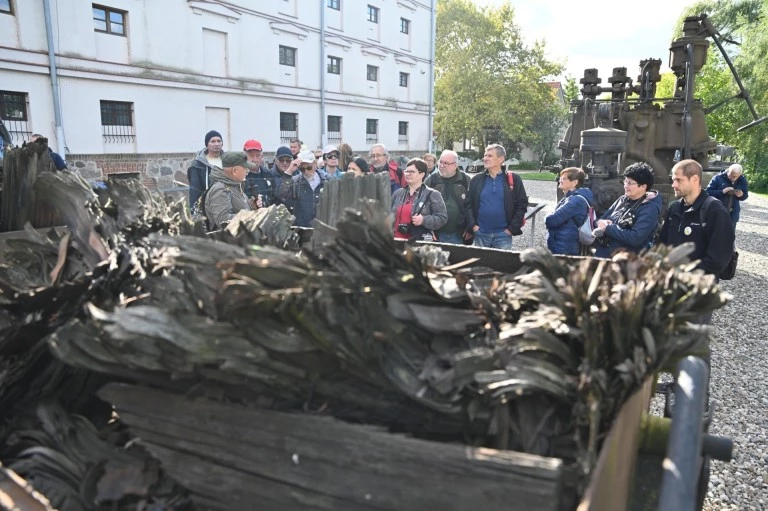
739, 358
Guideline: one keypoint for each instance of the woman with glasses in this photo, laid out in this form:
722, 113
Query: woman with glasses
630, 223
419, 211
569, 214
431, 160
331, 158
302, 190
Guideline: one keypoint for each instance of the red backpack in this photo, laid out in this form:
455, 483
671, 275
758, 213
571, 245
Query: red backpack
511, 183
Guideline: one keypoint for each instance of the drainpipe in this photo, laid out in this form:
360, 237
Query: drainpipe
60, 145
433, 31
323, 125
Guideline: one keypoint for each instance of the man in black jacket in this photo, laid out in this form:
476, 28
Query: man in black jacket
453, 185
714, 239
496, 203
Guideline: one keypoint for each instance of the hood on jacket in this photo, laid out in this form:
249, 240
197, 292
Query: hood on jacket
653, 196
218, 175
202, 159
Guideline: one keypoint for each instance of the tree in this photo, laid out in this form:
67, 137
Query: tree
489, 85
545, 132
571, 89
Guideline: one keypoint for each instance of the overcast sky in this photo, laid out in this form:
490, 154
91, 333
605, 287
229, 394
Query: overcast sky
585, 37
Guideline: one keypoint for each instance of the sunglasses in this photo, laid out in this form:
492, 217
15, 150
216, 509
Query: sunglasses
305, 167
332, 155
285, 159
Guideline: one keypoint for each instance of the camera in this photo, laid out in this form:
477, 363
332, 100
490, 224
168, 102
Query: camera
404, 228
627, 220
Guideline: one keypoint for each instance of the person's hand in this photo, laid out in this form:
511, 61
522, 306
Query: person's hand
507, 232
293, 167
602, 224
476, 228
417, 219
468, 235
728, 189
252, 201
738, 193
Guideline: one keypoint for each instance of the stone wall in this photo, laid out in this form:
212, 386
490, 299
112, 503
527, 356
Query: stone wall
163, 172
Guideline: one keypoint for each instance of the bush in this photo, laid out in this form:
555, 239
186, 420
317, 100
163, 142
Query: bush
528, 165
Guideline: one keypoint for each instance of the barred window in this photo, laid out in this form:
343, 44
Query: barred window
334, 65
287, 56
371, 130
117, 122
373, 73
14, 113
334, 129
402, 131
405, 26
404, 79
289, 127
108, 20
373, 14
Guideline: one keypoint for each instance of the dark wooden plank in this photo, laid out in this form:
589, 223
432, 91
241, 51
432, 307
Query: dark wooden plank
18, 495
310, 462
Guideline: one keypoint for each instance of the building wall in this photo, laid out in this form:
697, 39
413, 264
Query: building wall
184, 63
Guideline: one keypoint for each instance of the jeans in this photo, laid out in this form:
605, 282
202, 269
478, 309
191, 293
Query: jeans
500, 240
450, 237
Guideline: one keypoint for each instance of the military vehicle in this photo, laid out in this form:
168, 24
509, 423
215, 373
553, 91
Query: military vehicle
633, 125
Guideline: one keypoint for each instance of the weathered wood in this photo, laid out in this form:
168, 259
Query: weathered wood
261, 459
17, 495
340, 194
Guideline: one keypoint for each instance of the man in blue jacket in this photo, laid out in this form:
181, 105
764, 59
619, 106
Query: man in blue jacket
630, 223
730, 188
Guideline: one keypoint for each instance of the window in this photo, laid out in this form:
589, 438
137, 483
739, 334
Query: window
373, 14
287, 56
371, 130
373, 73
5, 6
13, 111
402, 131
334, 129
289, 127
334, 65
334, 4
117, 122
405, 26
108, 20
404, 79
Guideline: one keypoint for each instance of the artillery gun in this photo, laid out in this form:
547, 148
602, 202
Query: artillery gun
633, 125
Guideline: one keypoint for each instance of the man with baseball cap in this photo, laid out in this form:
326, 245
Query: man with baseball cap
331, 157
303, 189
260, 181
226, 196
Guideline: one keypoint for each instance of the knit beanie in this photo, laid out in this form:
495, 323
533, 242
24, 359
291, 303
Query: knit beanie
210, 135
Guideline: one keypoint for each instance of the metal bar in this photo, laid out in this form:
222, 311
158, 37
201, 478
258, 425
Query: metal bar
683, 461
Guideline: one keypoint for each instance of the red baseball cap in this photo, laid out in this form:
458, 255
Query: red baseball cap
252, 144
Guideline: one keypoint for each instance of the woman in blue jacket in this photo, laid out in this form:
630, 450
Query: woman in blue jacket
630, 223
563, 224
730, 187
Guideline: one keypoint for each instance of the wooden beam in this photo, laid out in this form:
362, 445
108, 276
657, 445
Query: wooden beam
259, 459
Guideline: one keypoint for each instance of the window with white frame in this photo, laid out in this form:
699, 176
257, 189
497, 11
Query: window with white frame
405, 26
373, 73
289, 127
334, 65
117, 122
334, 129
373, 14
371, 131
287, 56
334, 4
404, 79
108, 20
402, 131
15, 115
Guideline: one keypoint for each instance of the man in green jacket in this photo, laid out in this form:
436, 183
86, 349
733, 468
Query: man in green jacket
226, 196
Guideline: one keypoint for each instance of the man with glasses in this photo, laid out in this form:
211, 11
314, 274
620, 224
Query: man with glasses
630, 223
331, 158
496, 203
380, 162
302, 190
284, 167
453, 185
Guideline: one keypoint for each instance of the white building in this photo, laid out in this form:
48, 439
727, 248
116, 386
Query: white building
153, 76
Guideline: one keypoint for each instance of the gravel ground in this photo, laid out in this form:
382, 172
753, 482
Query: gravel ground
739, 358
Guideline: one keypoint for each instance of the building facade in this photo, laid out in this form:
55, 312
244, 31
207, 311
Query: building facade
141, 81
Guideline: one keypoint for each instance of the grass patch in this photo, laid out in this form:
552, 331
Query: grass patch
544, 175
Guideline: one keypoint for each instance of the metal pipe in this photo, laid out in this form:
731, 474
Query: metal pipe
683, 461
323, 124
689, 85
60, 145
433, 34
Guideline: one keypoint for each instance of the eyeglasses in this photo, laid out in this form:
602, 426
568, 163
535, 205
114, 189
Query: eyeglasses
305, 167
441, 162
627, 182
377, 155
410, 172
332, 155
285, 159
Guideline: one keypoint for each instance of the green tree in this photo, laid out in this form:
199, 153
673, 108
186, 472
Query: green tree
489, 84
571, 89
546, 128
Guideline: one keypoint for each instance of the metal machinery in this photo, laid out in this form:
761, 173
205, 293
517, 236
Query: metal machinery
607, 135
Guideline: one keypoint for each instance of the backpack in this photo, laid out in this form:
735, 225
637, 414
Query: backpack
199, 213
730, 270
585, 229
511, 183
